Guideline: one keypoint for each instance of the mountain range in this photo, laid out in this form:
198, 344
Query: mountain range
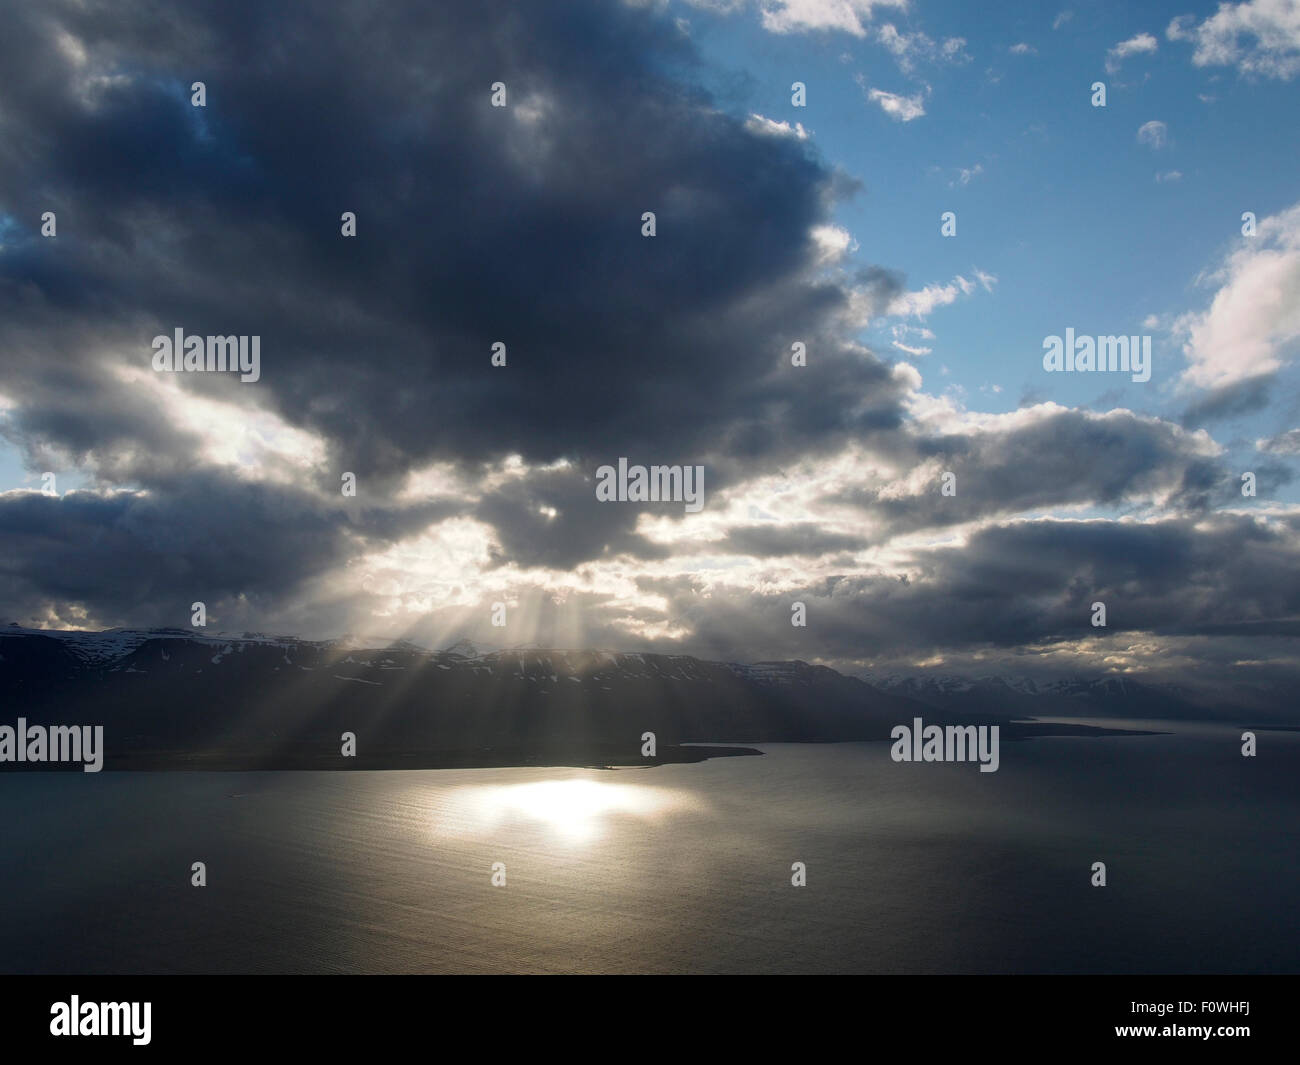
183, 698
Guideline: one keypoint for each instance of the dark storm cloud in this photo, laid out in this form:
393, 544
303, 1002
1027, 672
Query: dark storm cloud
554, 519
520, 225
142, 559
797, 538
1025, 582
1064, 457
1214, 592
1240, 397
475, 224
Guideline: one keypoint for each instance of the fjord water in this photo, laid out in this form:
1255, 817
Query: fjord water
686, 868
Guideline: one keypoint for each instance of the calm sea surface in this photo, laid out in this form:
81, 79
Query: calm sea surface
910, 868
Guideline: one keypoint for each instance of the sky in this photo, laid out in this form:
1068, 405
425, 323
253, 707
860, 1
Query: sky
933, 496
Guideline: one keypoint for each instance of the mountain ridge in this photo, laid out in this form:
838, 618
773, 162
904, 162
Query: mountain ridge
174, 698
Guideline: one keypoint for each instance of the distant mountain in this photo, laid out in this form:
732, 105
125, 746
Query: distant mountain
1111, 696
469, 649
177, 697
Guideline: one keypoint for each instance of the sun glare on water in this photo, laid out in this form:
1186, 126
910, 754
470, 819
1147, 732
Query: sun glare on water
576, 810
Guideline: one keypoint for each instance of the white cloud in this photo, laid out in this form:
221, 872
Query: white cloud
865, 304
1062, 19
1253, 323
899, 108
1137, 45
911, 350
965, 175
911, 48
903, 45
833, 243
255, 442
1169, 175
71, 48
922, 302
770, 127
1287, 443
1023, 49
902, 332
1153, 133
721, 7
1259, 37
799, 16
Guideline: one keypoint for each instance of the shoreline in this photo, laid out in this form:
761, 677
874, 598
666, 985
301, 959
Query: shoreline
580, 756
